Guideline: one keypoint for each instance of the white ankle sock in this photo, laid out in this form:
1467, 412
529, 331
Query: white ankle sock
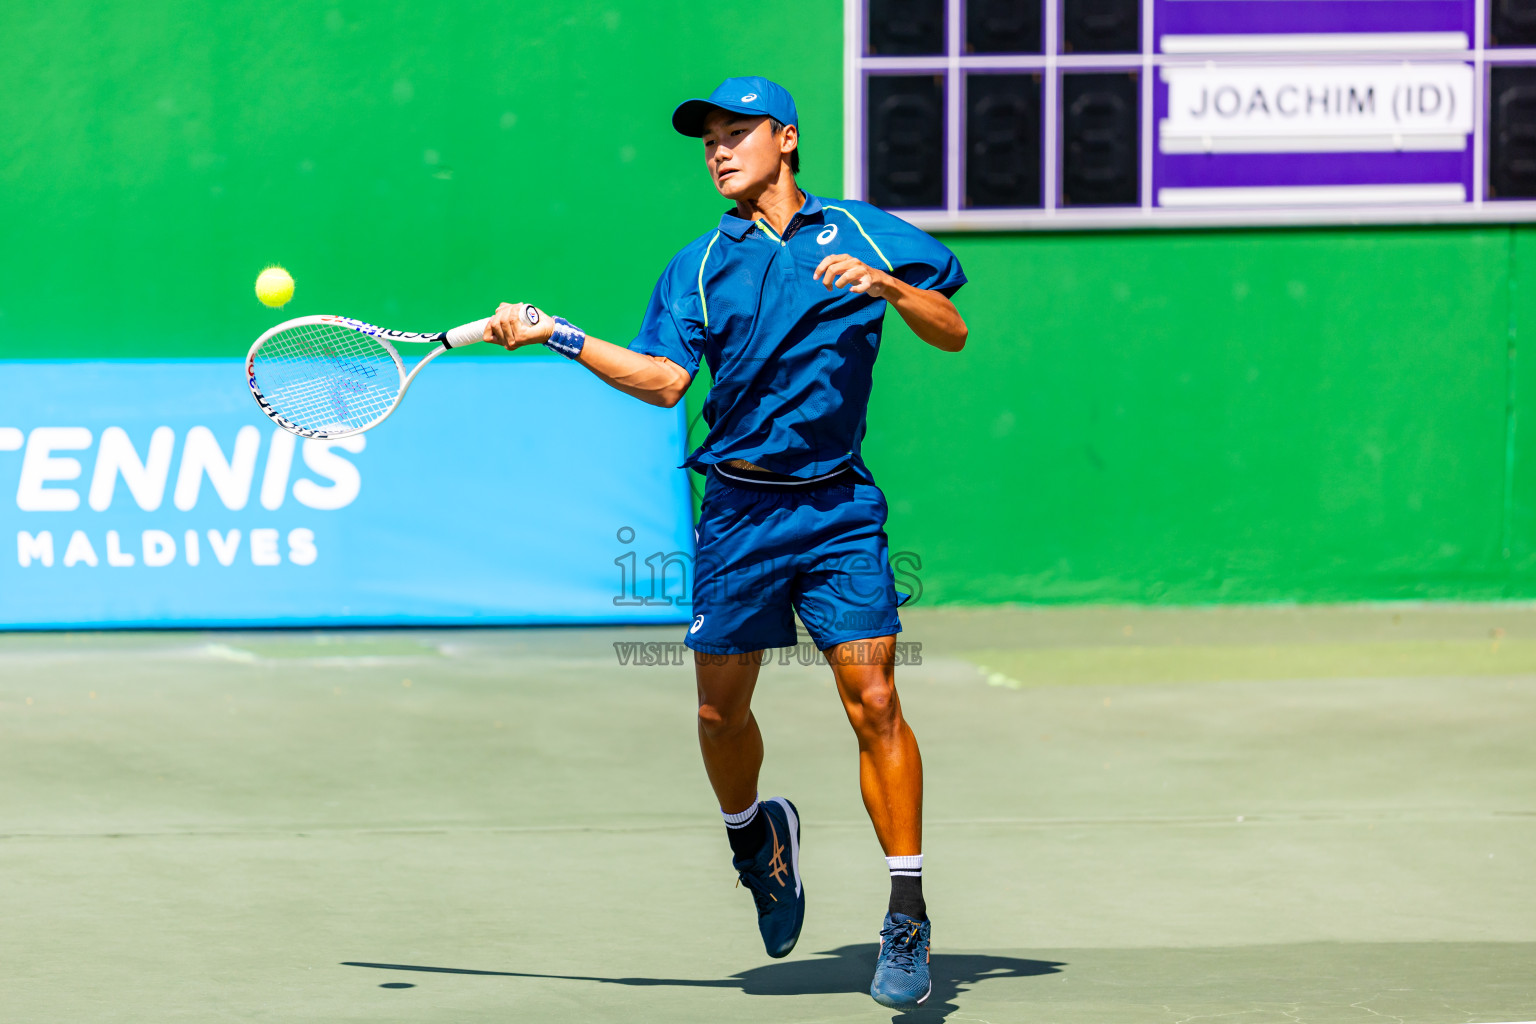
741, 819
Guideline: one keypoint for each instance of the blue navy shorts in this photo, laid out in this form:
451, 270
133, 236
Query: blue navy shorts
765, 554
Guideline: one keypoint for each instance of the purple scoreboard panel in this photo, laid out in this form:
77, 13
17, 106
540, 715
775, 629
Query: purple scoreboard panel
1025, 114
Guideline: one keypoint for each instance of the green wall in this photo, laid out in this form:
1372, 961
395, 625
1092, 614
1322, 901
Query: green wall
1302, 415
1174, 417
408, 162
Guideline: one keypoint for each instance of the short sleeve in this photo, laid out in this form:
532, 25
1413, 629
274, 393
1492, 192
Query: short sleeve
917, 257
673, 326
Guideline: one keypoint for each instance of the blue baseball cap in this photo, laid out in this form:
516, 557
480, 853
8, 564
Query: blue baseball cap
739, 96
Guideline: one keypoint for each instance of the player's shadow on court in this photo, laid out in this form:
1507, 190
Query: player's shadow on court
845, 969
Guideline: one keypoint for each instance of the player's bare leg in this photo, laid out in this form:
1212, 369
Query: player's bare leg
891, 778
728, 735
890, 766
765, 837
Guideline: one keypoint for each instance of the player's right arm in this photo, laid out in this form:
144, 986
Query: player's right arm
653, 379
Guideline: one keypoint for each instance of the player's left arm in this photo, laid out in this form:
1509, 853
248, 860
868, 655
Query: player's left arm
929, 313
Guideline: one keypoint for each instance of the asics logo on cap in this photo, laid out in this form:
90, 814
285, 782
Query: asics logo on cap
827, 234
749, 97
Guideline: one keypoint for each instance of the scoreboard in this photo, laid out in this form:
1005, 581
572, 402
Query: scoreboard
1051, 114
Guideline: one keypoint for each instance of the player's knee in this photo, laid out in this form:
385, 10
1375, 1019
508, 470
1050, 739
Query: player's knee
877, 712
716, 721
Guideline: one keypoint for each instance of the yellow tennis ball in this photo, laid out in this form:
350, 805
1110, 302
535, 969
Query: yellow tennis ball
274, 287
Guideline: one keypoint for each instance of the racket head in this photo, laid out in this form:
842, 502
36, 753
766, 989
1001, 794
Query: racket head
325, 376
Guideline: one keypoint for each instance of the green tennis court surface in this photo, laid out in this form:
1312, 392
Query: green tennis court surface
1245, 816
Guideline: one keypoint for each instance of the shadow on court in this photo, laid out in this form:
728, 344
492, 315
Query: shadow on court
845, 969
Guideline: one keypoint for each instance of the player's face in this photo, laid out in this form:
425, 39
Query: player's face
742, 153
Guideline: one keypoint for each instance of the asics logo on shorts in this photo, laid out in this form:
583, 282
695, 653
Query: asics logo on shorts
696, 624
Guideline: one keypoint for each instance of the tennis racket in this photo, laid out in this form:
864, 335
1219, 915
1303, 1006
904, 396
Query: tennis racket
332, 376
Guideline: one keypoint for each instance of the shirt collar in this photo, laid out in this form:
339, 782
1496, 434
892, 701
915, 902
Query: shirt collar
810, 208
734, 226
737, 227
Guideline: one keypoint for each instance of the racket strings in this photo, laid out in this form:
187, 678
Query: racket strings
326, 376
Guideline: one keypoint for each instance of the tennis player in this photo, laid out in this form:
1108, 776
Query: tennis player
784, 299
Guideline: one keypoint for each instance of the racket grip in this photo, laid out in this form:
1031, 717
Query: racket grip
467, 334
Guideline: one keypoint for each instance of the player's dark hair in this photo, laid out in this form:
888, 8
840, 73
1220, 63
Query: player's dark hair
794, 154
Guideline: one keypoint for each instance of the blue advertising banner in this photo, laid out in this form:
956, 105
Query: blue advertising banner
501, 492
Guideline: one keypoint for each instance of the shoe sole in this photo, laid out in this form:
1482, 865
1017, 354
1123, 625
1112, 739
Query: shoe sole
904, 1006
794, 839
793, 820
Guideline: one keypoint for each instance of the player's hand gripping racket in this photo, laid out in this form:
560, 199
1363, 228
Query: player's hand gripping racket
332, 376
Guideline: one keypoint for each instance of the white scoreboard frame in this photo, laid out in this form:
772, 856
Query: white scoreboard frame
1146, 215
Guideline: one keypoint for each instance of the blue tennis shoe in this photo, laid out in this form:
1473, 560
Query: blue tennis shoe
902, 981
773, 875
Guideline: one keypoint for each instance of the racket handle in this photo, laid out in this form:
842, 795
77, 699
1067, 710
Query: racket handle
467, 334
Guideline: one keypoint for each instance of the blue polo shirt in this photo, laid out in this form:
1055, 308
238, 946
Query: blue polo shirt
791, 362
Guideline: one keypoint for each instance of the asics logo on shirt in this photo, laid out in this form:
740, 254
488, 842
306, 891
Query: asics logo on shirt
827, 234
